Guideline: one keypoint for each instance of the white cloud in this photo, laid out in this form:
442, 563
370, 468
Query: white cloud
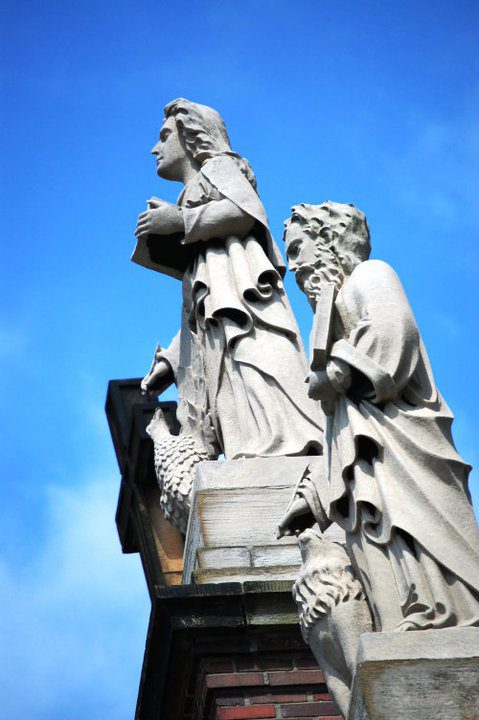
73, 620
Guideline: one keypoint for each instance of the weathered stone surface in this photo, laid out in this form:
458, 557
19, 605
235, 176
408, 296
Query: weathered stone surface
270, 555
176, 458
141, 524
238, 359
244, 574
394, 479
223, 557
428, 675
333, 611
391, 476
232, 530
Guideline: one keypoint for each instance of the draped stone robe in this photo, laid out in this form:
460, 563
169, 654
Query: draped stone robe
238, 358
394, 480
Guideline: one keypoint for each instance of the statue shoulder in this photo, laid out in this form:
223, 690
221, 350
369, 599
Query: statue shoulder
376, 282
221, 168
224, 173
373, 271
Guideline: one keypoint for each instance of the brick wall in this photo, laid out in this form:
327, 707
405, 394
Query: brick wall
283, 685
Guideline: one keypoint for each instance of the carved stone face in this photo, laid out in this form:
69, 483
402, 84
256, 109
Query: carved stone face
324, 243
170, 152
300, 251
312, 262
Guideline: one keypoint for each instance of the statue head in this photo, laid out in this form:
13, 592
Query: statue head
324, 243
193, 133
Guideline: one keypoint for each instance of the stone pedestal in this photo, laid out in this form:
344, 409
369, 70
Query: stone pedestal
428, 675
236, 507
228, 650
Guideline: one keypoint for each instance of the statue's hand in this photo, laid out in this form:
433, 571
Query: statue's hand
339, 375
161, 218
319, 386
296, 519
158, 379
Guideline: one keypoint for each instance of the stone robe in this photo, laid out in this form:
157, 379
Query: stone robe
394, 480
238, 358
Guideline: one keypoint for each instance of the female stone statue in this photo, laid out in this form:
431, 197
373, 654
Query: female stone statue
238, 359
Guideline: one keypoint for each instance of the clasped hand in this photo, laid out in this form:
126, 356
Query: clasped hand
161, 218
327, 383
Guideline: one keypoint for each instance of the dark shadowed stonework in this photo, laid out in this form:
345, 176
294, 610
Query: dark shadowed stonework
223, 651
140, 522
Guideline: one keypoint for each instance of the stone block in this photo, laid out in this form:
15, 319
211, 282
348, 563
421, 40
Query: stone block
244, 574
236, 507
276, 555
223, 557
428, 674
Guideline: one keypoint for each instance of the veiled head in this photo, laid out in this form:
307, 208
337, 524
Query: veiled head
202, 129
324, 243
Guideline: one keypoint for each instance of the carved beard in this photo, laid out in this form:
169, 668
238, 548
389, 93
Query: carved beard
325, 270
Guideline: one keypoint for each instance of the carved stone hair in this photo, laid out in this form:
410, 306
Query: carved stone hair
341, 228
205, 134
326, 580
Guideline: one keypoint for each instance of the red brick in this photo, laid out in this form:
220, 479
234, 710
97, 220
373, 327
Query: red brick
218, 666
309, 710
296, 677
329, 708
302, 710
234, 679
322, 696
277, 698
247, 712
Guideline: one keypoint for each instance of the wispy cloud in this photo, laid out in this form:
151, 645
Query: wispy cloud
73, 620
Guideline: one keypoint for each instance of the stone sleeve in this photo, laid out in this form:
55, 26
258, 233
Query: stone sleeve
384, 344
172, 353
215, 219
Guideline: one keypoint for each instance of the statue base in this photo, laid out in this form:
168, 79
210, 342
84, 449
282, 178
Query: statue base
428, 674
235, 509
230, 651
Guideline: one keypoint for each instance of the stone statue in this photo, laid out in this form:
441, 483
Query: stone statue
176, 458
333, 612
238, 360
393, 478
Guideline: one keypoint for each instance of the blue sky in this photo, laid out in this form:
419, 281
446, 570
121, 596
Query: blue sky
368, 102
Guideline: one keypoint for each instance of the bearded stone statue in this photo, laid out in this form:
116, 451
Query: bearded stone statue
392, 476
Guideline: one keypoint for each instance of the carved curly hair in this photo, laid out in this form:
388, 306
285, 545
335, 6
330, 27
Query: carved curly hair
350, 238
205, 134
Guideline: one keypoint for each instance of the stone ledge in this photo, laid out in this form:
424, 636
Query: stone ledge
428, 674
444, 644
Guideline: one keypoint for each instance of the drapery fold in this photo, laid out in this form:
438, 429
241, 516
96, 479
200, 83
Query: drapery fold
396, 483
240, 357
